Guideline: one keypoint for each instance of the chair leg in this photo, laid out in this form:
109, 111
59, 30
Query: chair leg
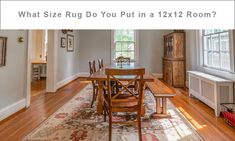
93, 97
104, 91
110, 126
139, 126
105, 113
96, 93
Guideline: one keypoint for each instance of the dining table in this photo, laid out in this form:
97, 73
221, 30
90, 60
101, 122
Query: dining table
100, 77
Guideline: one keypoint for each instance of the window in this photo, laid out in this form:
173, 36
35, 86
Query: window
216, 49
124, 44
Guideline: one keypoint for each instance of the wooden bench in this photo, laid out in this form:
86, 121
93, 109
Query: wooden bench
160, 92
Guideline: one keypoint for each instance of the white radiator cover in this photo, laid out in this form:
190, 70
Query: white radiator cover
210, 89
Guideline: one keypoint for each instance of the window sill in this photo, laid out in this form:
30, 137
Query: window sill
223, 74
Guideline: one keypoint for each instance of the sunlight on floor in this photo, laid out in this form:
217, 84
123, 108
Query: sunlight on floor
193, 122
174, 128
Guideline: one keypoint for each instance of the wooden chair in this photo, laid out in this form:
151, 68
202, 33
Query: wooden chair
101, 64
126, 99
94, 84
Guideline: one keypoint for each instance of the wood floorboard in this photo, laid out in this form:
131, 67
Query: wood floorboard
42, 106
38, 87
203, 118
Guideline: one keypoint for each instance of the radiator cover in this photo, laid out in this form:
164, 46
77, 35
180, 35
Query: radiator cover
210, 89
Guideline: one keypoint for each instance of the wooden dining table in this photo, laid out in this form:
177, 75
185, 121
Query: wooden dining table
100, 78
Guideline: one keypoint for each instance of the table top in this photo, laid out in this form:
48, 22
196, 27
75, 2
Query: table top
100, 75
159, 89
38, 62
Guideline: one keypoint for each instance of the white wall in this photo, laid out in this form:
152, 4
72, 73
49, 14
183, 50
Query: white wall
68, 62
96, 44
151, 49
13, 75
191, 51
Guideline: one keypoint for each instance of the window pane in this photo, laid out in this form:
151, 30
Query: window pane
212, 31
225, 60
215, 42
205, 58
124, 45
125, 54
209, 31
207, 43
224, 41
131, 46
118, 46
118, 54
132, 55
209, 63
216, 60
124, 35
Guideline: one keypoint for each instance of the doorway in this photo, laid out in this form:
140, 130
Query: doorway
46, 58
39, 62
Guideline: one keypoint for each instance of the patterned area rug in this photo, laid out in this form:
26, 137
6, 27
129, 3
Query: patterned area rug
76, 121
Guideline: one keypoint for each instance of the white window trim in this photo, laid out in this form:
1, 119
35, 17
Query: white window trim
136, 44
201, 67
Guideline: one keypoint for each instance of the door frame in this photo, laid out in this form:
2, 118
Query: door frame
51, 81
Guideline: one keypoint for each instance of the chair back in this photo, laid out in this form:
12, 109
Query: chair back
125, 78
101, 64
92, 67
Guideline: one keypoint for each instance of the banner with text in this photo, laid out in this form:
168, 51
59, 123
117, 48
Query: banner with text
117, 15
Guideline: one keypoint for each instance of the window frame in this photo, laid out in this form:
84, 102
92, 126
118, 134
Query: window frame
136, 51
231, 54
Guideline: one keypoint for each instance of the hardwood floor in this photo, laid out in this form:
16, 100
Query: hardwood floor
42, 106
203, 118
38, 87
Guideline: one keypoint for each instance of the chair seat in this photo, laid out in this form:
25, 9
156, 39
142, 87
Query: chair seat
124, 103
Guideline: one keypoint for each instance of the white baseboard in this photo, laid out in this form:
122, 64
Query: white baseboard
83, 74
158, 75
11, 109
67, 80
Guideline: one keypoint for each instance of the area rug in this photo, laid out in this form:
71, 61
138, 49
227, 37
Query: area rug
76, 121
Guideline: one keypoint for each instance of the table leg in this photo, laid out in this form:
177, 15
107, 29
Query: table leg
143, 106
161, 109
164, 105
100, 97
158, 105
